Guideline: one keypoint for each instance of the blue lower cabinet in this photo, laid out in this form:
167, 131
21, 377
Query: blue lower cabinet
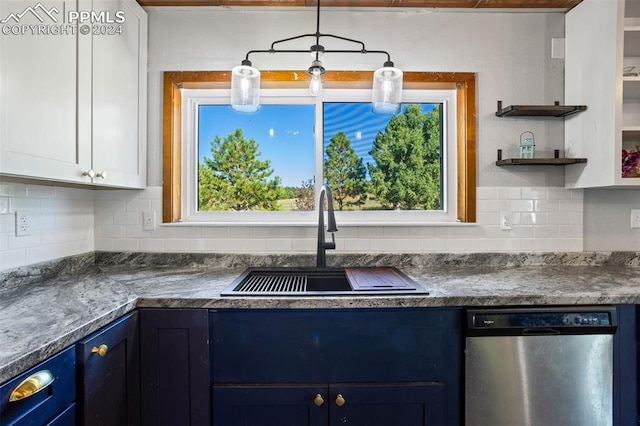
399, 404
109, 375
270, 405
174, 346
375, 366
44, 406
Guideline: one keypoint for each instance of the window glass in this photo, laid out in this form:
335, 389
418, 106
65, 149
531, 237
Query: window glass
267, 167
256, 162
377, 162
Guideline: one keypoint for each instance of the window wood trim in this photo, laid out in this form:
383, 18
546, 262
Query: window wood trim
173, 81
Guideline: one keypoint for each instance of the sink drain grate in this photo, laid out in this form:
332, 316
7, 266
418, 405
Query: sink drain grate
257, 283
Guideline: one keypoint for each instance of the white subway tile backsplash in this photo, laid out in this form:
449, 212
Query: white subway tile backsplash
370, 232
486, 193
509, 193
10, 259
177, 244
32, 205
150, 245
10, 189
534, 193
492, 205
40, 191
126, 244
4, 205
138, 205
127, 218
395, 232
520, 206
71, 221
546, 205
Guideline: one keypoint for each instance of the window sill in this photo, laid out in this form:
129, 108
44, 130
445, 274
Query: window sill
314, 224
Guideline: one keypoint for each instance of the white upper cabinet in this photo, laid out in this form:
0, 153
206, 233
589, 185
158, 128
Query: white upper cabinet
73, 99
602, 46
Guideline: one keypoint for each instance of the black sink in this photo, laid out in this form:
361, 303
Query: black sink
314, 281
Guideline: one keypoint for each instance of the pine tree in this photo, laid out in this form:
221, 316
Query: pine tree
235, 178
402, 176
345, 172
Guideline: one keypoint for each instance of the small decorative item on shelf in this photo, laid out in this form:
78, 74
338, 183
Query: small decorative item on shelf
631, 163
628, 71
527, 145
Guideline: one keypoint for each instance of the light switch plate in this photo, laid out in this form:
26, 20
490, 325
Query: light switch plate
557, 48
635, 218
149, 220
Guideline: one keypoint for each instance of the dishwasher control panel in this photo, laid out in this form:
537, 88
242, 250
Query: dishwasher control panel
543, 319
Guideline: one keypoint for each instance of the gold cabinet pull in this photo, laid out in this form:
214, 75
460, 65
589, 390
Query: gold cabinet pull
318, 400
32, 384
340, 401
101, 350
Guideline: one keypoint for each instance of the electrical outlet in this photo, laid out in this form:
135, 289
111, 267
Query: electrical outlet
635, 218
149, 220
506, 221
23, 224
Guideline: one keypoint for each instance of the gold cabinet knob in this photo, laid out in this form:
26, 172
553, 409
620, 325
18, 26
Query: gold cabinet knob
101, 350
318, 400
340, 401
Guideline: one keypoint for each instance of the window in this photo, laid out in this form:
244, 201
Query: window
281, 158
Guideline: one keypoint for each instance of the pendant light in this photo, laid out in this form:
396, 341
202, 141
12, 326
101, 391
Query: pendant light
387, 90
245, 88
387, 81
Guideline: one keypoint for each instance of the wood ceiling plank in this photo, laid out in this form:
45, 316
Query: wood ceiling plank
443, 4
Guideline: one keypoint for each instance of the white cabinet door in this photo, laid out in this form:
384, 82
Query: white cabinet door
597, 47
38, 96
73, 94
119, 64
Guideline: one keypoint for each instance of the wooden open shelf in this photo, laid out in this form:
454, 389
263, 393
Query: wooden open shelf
555, 110
556, 161
539, 161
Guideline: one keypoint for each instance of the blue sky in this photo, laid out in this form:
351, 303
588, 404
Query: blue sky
284, 133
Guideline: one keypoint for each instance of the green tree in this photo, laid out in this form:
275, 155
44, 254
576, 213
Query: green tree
305, 197
345, 172
402, 177
235, 178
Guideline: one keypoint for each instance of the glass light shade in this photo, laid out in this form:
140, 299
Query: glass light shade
315, 86
245, 88
387, 91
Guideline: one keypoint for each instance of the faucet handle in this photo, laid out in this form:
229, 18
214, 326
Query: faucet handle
332, 244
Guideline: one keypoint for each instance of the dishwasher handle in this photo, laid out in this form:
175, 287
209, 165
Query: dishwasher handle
542, 331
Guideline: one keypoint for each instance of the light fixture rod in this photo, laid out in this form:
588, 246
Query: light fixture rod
318, 35
363, 51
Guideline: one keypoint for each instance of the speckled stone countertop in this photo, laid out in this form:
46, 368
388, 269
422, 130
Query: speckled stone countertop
47, 307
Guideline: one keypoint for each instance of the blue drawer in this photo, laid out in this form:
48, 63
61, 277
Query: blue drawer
43, 406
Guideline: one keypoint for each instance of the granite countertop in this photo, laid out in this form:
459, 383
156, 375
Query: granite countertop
49, 307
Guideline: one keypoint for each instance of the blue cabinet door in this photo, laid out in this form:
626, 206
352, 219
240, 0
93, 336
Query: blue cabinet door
109, 375
300, 405
174, 345
397, 404
390, 366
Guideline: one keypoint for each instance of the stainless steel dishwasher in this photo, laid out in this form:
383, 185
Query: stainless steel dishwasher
539, 366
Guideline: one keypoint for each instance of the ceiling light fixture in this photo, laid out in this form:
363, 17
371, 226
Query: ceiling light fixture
387, 81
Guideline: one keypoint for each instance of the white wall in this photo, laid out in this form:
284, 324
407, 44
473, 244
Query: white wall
510, 52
